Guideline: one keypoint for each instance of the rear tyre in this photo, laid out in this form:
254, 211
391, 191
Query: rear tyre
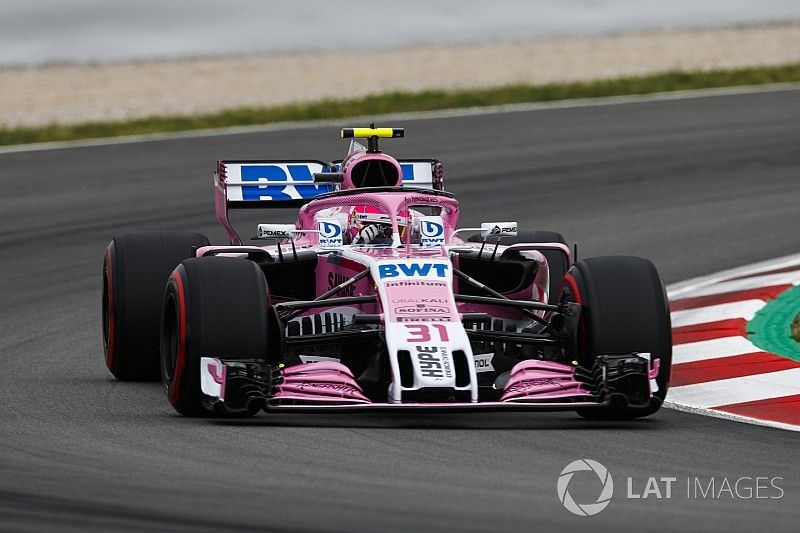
135, 269
556, 261
624, 310
213, 307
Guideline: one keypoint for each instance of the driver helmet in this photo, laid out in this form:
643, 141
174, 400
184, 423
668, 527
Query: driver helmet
370, 225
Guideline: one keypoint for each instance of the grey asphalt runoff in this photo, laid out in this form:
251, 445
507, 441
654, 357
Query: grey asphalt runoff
697, 185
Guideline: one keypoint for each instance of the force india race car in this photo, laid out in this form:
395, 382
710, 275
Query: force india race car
375, 299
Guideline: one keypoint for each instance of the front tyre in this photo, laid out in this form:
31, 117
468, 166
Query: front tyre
136, 266
213, 307
623, 310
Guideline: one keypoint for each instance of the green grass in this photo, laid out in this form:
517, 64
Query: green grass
407, 101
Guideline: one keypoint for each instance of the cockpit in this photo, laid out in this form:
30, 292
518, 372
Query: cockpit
384, 216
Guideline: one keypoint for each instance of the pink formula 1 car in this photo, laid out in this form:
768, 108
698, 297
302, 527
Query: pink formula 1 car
375, 299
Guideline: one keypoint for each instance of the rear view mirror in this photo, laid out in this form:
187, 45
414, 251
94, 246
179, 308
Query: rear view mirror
498, 229
276, 231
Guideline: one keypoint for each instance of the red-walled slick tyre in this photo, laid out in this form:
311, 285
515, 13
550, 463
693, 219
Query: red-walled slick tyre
623, 310
212, 307
135, 269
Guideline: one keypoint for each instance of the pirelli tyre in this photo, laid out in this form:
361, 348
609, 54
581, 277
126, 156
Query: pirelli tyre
213, 307
136, 266
623, 310
556, 261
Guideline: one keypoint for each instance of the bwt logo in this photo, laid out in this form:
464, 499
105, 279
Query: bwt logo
329, 230
412, 270
301, 174
432, 229
330, 233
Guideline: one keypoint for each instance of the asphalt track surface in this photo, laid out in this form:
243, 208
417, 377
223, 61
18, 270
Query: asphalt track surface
697, 185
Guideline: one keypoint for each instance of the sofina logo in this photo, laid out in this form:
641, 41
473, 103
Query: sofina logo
330, 233
586, 509
431, 231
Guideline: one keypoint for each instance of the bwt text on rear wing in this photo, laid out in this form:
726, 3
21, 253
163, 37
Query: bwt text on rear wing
260, 184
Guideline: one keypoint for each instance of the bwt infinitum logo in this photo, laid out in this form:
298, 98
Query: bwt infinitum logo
585, 509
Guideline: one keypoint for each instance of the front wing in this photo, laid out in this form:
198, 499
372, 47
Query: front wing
616, 380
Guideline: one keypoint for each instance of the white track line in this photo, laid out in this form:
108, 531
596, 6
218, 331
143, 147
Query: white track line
770, 280
425, 115
712, 349
738, 390
728, 416
676, 290
745, 309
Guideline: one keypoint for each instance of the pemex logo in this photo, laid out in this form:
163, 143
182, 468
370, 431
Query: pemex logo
585, 509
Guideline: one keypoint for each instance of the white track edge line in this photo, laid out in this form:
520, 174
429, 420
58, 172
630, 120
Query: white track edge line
696, 316
675, 289
728, 416
423, 115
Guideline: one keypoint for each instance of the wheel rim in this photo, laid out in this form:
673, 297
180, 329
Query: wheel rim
571, 294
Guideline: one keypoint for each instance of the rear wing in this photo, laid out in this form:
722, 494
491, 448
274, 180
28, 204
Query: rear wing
289, 183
